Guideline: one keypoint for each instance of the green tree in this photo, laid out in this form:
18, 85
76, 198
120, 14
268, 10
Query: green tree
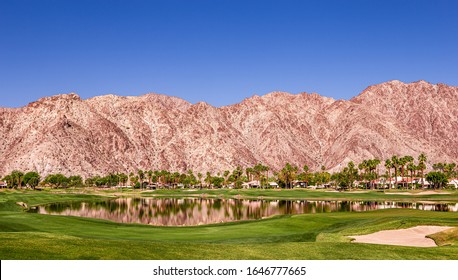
438, 179
32, 179
237, 177
438, 166
16, 178
75, 181
123, 178
56, 180
449, 169
217, 181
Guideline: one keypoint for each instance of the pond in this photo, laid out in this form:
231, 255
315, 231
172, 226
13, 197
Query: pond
198, 211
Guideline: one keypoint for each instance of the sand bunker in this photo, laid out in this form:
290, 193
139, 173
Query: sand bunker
415, 236
420, 193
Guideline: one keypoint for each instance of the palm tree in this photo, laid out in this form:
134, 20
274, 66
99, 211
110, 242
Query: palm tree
248, 172
449, 168
306, 170
150, 176
226, 174
266, 169
352, 173
199, 175
405, 160
237, 175
422, 166
364, 166
208, 179
395, 162
411, 167
141, 176
372, 164
123, 178
17, 177
388, 166
288, 174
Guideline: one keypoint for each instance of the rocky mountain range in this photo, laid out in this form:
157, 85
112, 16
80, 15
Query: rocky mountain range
65, 134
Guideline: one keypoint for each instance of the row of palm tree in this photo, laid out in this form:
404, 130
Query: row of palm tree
365, 173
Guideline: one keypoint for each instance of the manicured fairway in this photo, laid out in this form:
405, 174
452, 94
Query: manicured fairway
309, 236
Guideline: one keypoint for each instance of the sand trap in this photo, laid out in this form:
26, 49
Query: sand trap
420, 193
415, 236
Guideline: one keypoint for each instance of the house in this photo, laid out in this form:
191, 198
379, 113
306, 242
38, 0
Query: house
273, 185
300, 184
453, 183
252, 184
3, 185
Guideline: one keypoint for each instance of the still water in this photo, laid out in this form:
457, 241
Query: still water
198, 211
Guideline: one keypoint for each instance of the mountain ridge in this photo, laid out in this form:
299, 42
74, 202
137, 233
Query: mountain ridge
109, 133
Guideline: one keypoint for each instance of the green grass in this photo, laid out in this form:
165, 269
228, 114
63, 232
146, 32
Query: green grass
306, 194
309, 236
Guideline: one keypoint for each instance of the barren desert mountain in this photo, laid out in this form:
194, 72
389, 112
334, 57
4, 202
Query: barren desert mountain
110, 133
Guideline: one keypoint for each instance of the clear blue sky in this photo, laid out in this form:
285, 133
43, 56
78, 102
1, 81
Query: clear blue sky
221, 51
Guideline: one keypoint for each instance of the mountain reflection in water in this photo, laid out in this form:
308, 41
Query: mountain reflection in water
198, 211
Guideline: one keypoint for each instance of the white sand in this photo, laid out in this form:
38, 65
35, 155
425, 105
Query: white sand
415, 236
420, 193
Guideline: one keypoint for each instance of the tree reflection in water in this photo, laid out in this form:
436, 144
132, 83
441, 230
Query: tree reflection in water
197, 211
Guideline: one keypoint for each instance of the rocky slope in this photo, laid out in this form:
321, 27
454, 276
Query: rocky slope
110, 133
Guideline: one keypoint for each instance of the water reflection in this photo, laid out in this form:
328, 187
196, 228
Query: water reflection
198, 211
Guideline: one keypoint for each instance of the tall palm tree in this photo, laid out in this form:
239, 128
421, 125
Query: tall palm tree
405, 161
373, 163
422, 166
141, 176
449, 168
288, 174
248, 172
237, 175
199, 175
257, 171
364, 166
411, 167
266, 169
208, 179
17, 177
226, 174
352, 173
123, 178
388, 166
395, 162
306, 170
150, 176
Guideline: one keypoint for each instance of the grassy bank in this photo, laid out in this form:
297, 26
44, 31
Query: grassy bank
309, 236
309, 194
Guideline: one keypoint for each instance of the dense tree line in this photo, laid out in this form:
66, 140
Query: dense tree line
364, 175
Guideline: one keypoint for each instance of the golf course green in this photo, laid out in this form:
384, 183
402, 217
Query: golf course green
323, 236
